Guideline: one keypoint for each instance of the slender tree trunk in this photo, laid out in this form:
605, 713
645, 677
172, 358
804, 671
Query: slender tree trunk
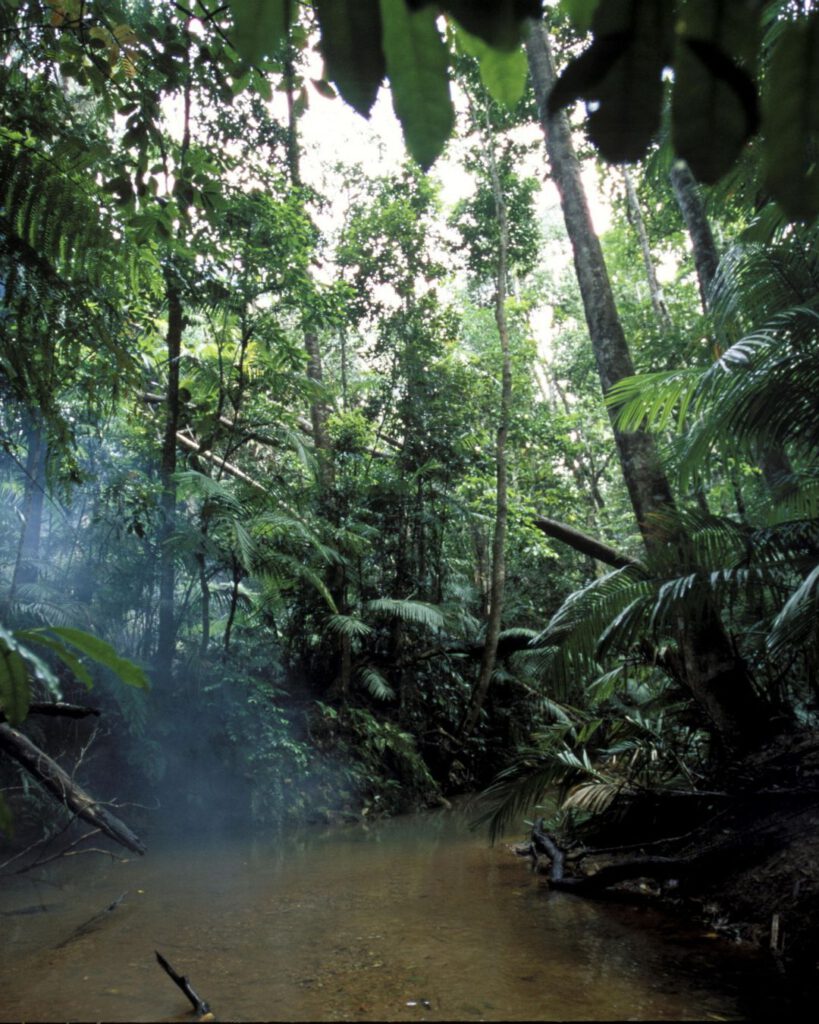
635, 216
26, 568
715, 675
773, 463
167, 575
706, 258
496, 590
642, 471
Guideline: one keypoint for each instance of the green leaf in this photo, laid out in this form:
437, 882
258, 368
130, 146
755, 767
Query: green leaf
791, 120
714, 105
15, 692
39, 636
351, 47
6, 819
418, 68
104, 654
581, 12
259, 27
503, 73
620, 76
499, 24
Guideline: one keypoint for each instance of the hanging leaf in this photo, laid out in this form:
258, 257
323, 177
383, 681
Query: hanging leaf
6, 819
351, 47
581, 12
791, 120
500, 24
417, 64
259, 27
17, 664
38, 636
15, 692
620, 76
714, 106
104, 654
503, 73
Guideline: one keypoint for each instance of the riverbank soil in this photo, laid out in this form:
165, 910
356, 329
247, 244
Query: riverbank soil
742, 853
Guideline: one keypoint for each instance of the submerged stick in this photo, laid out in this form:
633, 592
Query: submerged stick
92, 922
201, 1008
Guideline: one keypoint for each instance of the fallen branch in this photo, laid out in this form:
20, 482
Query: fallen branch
542, 842
585, 544
200, 1007
47, 772
92, 922
58, 708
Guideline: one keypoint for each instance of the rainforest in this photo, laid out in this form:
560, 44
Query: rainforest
409, 509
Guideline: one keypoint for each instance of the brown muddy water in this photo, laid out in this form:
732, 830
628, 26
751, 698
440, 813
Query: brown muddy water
411, 919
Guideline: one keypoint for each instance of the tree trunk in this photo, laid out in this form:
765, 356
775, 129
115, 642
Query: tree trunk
706, 258
26, 568
635, 216
167, 576
496, 590
715, 675
774, 463
644, 476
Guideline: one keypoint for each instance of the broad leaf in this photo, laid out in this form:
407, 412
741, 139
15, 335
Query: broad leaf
104, 654
499, 24
581, 12
791, 120
39, 636
15, 692
503, 73
259, 27
418, 67
6, 819
714, 102
620, 76
351, 47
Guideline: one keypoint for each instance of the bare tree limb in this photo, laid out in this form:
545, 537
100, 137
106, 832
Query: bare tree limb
57, 781
585, 544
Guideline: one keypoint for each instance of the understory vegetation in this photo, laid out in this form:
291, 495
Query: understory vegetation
340, 485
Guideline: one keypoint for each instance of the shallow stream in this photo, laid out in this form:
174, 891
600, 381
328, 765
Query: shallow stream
411, 919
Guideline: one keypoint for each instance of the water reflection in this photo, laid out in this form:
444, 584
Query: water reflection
412, 919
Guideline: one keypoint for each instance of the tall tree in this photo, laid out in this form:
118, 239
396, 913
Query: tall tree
714, 674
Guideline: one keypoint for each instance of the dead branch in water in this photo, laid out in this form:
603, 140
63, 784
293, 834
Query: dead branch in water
61, 786
200, 1007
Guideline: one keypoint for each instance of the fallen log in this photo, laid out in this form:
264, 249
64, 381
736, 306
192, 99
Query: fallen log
200, 1007
63, 788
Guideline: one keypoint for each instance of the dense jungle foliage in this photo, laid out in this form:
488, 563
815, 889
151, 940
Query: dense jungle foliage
344, 482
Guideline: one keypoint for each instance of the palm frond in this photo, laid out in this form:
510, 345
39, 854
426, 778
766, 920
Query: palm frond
348, 625
375, 683
419, 612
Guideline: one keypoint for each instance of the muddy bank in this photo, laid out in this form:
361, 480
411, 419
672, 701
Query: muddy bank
741, 857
